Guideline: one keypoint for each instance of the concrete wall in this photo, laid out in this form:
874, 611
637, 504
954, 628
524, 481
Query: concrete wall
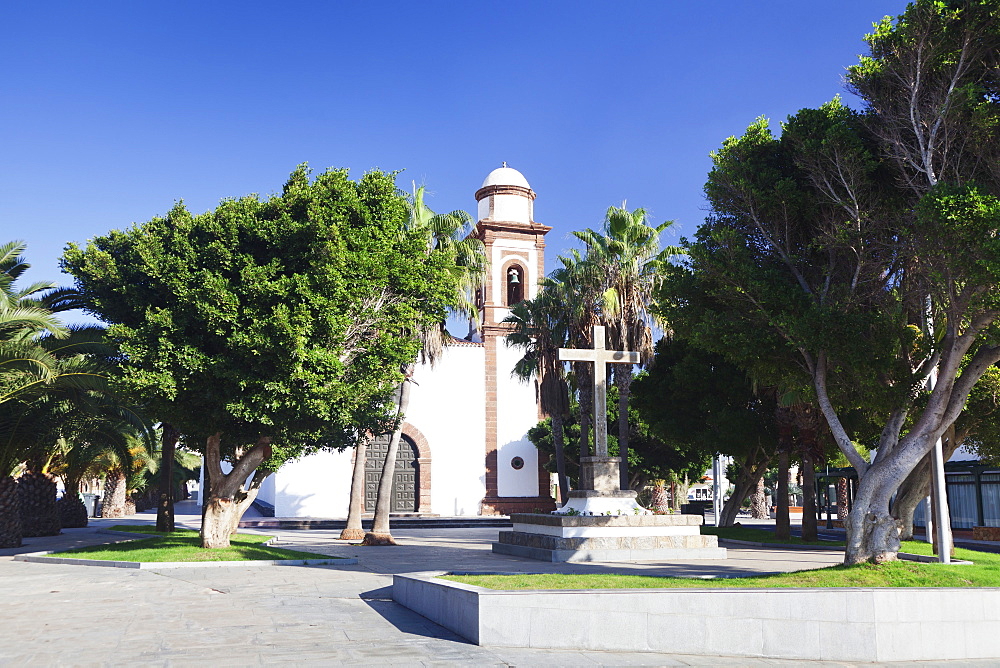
904, 624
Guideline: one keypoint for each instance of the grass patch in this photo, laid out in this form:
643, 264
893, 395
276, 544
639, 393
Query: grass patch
762, 536
985, 572
185, 545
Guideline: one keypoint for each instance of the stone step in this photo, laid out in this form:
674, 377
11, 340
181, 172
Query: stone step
547, 542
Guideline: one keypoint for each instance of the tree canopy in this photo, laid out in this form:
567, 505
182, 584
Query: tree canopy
288, 315
269, 327
857, 251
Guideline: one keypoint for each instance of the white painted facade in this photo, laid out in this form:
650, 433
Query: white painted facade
450, 406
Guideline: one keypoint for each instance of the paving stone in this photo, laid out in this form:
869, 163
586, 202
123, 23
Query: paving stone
311, 615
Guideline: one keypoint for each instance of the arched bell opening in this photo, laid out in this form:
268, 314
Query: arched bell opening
515, 282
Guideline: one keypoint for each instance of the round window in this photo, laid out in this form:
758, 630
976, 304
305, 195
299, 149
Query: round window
517, 463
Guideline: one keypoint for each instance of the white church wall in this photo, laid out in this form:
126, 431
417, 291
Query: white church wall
447, 407
517, 412
266, 493
318, 485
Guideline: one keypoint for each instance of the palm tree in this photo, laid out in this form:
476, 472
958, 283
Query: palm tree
449, 234
540, 329
576, 288
38, 417
626, 253
24, 367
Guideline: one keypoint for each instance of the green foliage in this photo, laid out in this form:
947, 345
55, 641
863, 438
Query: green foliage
288, 316
703, 404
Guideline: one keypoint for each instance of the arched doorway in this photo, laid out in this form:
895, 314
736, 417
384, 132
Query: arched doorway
405, 487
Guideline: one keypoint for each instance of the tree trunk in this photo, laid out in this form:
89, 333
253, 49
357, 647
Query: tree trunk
165, 507
810, 531
586, 385
914, 489
680, 492
782, 524
226, 500
872, 532
745, 481
113, 503
221, 517
917, 487
758, 502
10, 513
623, 379
658, 501
72, 510
39, 513
354, 530
843, 502
380, 535
559, 440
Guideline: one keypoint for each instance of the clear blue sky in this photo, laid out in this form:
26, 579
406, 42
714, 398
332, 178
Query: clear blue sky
112, 111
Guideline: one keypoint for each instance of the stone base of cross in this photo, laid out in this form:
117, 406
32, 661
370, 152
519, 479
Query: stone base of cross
600, 490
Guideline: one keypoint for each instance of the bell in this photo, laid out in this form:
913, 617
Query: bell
514, 277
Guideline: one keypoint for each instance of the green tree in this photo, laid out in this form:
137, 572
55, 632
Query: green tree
446, 240
866, 243
268, 327
626, 253
706, 405
49, 376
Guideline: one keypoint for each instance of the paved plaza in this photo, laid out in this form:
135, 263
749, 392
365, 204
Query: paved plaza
295, 615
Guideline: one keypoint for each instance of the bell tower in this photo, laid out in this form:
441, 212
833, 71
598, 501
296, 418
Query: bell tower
515, 246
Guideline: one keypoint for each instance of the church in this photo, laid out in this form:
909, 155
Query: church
465, 448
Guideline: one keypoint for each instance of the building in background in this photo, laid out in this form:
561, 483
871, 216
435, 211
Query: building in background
465, 449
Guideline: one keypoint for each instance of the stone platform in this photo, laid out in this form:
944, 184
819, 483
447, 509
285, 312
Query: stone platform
607, 538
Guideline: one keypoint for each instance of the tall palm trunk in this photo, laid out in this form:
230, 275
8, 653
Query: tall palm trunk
354, 530
623, 379
843, 502
758, 502
165, 507
113, 503
39, 514
586, 385
809, 520
380, 535
10, 513
560, 444
658, 500
782, 524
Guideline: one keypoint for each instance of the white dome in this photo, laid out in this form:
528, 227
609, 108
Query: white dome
505, 176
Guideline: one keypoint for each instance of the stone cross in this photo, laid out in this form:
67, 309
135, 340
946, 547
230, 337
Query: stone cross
599, 356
